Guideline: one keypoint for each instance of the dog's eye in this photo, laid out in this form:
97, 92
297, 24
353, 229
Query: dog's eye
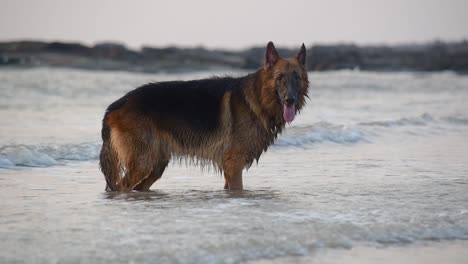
279, 78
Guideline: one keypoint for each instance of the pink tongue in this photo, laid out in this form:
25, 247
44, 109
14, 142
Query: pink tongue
289, 112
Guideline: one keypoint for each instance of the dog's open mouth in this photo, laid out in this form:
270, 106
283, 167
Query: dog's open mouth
289, 112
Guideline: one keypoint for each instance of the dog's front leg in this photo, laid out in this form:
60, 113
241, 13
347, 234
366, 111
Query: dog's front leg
233, 179
233, 164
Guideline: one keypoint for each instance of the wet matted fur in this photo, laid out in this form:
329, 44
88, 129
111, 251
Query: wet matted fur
223, 122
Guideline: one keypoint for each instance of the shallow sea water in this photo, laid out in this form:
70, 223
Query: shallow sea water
376, 161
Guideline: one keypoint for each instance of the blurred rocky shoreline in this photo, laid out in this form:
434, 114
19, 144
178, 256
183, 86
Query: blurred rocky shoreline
434, 56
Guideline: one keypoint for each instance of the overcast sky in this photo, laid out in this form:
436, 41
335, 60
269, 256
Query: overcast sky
235, 23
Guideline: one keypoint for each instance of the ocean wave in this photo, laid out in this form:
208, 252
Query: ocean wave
321, 132
362, 131
295, 136
456, 120
44, 156
421, 120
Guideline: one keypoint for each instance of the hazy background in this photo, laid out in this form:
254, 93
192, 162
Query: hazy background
234, 24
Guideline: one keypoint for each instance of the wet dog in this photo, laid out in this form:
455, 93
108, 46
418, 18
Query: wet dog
221, 121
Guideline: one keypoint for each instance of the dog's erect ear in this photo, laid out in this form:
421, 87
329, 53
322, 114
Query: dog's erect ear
301, 56
271, 55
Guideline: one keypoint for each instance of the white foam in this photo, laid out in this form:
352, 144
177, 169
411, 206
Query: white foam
321, 132
44, 156
24, 156
6, 163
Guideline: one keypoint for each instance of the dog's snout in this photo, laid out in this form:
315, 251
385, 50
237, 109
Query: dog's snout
290, 100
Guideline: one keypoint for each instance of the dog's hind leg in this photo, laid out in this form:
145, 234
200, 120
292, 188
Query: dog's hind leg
155, 174
139, 159
133, 176
160, 161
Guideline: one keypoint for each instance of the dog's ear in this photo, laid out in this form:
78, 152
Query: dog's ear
301, 56
271, 55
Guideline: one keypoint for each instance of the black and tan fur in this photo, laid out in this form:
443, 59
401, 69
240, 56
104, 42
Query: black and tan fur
225, 122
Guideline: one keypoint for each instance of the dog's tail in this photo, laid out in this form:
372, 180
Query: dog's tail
109, 161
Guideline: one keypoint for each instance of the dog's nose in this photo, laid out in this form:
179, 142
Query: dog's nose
290, 101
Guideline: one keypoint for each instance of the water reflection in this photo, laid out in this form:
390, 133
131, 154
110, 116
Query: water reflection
193, 195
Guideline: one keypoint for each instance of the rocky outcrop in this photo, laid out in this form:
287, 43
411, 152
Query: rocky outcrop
436, 56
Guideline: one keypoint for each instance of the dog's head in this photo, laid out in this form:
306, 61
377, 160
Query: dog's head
287, 79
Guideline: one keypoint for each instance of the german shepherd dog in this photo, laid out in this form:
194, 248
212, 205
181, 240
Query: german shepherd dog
221, 121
